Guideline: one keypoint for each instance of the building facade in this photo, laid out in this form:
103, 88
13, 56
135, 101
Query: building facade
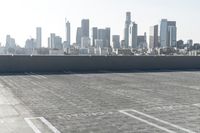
127, 29
153, 37
38, 37
168, 33
133, 35
68, 35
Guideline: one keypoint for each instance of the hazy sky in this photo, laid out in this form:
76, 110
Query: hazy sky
20, 17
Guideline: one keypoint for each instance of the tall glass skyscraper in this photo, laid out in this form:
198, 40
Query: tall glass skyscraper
126, 29
168, 33
85, 25
133, 35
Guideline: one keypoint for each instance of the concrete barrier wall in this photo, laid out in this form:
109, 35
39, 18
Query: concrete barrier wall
15, 64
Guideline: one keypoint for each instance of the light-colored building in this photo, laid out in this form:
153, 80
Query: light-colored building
99, 43
168, 33
38, 37
153, 37
133, 35
85, 42
127, 29
68, 35
55, 42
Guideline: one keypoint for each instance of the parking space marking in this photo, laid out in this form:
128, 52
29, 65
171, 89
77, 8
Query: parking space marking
197, 105
156, 119
47, 123
37, 76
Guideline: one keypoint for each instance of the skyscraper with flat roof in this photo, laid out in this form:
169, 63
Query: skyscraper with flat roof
38, 37
133, 35
78, 36
85, 25
116, 41
153, 37
107, 32
168, 33
94, 35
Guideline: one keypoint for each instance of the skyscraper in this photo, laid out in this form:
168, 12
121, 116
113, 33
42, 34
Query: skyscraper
10, 42
107, 32
85, 28
55, 42
78, 36
172, 31
101, 36
38, 37
126, 29
164, 33
116, 41
168, 33
153, 37
68, 34
94, 35
133, 35
104, 35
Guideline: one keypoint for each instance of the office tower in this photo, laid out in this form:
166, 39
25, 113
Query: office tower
116, 41
78, 36
153, 37
107, 32
133, 35
98, 43
85, 28
102, 36
31, 43
85, 42
168, 32
38, 37
190, 42
127, 29
164, 33
172, 32
142, 41
10, 42
68, 34
94, 35
55, 42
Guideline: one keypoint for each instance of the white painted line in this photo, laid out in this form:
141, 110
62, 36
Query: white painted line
159, 120
38, 75
197, 105
35, 129
147, 122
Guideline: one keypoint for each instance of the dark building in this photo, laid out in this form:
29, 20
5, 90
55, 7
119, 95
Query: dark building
116, 41
94, 35
78, 36
85, 28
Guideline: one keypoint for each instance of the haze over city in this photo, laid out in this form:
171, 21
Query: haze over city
20, 17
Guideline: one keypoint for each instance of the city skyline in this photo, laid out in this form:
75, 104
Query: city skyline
21, 25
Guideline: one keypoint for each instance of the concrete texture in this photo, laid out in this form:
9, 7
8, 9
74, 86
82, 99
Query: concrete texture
154, 102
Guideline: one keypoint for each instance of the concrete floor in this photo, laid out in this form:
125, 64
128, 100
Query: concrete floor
154, 102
